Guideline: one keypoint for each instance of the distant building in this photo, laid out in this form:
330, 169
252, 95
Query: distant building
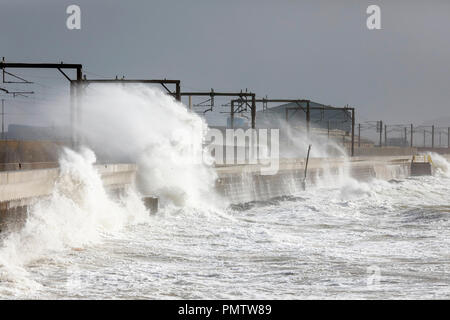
332, 119
397, 142
364, 143
238, 122
25, 132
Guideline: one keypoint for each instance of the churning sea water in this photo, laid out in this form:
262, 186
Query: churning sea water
354, 240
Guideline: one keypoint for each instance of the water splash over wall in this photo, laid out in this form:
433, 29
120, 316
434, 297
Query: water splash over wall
78, 213
143, 125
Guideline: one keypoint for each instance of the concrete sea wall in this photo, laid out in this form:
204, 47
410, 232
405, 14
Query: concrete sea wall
244, 183
22, 187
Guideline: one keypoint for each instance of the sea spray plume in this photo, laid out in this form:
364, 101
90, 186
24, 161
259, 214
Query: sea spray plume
142, 124
78, 213
324, 148
297, 142
440, 163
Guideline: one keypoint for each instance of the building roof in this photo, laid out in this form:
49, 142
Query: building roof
282, 107
334, 118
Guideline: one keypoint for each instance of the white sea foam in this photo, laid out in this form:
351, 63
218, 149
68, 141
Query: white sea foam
142, 124
158, 134
78, 213
440, 163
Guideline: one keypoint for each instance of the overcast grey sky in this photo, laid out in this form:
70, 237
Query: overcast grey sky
321, 50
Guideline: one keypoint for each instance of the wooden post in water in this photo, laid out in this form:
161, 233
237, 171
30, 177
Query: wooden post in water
306, 168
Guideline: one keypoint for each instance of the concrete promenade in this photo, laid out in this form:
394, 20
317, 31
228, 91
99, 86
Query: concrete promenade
21, 187
238, 183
